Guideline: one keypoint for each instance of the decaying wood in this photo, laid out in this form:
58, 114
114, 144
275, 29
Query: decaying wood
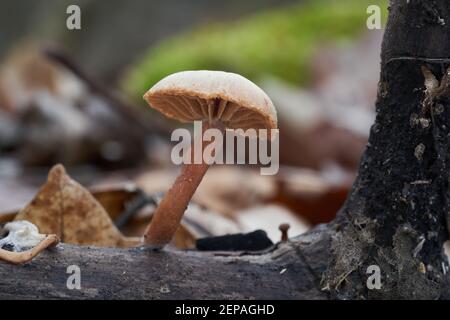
395, 216
290, 270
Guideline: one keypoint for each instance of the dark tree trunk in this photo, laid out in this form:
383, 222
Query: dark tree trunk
395, 217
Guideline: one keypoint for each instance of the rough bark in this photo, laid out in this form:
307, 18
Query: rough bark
395, 217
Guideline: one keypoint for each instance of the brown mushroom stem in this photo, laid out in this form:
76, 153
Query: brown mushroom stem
167, 217
26, 256
284, 228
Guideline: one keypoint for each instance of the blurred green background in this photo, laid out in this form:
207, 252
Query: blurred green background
135, 43
278, 42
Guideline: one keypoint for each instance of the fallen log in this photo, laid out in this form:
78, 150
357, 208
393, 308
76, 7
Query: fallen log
289, 270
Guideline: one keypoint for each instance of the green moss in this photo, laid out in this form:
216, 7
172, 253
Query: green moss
279, 42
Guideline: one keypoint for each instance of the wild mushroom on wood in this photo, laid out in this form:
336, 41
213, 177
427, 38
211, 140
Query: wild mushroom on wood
284, 228
221, 100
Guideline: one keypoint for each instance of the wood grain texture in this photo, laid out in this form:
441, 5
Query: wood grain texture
143, 274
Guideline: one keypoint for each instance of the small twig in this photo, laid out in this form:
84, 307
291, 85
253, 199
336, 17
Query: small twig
127, 111
344, 276
133, 207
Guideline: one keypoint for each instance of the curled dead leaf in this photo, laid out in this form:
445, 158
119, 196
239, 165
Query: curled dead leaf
65, 208
28, 255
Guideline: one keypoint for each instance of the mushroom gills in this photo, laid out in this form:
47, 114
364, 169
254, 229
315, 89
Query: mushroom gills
188, 109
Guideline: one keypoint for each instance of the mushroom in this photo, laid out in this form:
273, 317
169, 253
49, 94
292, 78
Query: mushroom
24, 235
220, 100
284, 228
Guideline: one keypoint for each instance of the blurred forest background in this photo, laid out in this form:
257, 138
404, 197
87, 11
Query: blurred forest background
75, 97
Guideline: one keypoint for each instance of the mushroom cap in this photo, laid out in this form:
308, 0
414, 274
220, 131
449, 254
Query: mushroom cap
213, 95
284, 227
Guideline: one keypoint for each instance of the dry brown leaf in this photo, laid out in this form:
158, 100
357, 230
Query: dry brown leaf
7, 217
224, 189
65, 208
321, 144
309, 195
114, 198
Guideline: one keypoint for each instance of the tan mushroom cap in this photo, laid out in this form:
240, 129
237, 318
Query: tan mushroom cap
213, 95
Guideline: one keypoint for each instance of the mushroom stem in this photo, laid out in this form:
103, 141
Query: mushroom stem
284, 227
26, 256
167, 217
